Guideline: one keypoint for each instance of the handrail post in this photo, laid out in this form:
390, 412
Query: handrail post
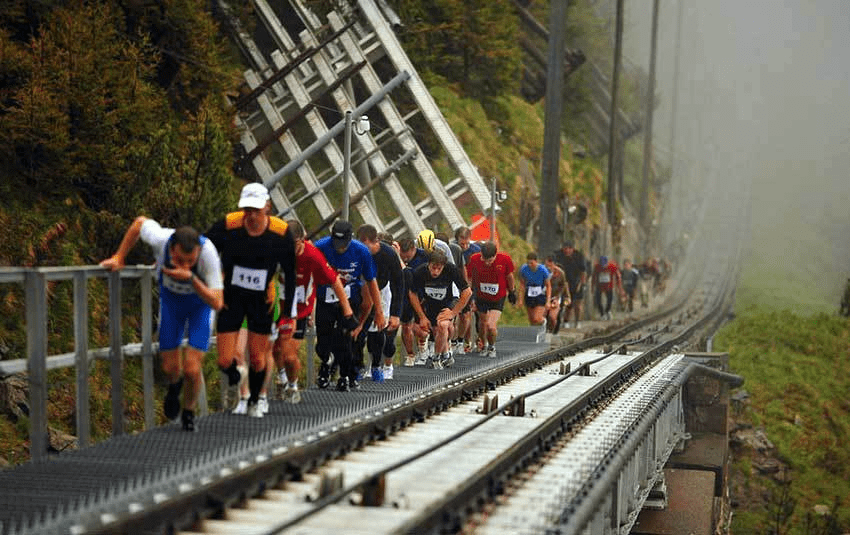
147, 351
36, 317
310, 336
116, 354
81, 348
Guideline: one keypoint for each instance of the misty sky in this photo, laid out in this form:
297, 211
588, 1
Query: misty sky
764, 96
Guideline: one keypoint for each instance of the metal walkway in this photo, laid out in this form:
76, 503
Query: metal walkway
90, 487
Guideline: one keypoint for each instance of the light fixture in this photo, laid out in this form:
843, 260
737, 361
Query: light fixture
362, 125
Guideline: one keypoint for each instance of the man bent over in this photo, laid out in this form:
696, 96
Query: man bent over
190, 288
435, 306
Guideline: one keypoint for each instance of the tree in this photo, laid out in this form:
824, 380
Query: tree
79, 105
471, 43
90, 126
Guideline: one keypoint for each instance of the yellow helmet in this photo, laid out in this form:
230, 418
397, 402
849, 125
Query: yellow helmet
425, 240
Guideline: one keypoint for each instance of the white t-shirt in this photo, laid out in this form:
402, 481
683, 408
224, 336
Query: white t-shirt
209, 263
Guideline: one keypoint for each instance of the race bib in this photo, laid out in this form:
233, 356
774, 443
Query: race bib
300, 295
177, 287
489, 288
438, 294
330, 294
604, 277
248, 278
534, 291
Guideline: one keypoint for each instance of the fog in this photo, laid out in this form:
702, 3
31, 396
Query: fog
763, 109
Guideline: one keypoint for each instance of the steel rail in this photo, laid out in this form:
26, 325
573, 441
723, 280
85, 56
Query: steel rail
579, 512
449, 514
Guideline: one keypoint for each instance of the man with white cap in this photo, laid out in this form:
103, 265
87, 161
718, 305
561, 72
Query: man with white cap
252, 245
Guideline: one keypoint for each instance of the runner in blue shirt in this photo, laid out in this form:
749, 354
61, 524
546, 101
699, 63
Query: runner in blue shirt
536, 289
334, 333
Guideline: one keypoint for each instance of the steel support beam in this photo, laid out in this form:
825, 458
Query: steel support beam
335, 130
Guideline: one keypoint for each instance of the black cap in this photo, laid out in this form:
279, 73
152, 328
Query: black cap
568, 243
341, 234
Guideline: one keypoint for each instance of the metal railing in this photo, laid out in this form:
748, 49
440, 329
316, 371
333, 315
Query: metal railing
38, 361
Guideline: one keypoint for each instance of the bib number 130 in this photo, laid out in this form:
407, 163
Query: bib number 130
250, 279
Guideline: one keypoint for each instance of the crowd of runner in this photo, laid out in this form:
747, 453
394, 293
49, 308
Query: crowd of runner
263, 283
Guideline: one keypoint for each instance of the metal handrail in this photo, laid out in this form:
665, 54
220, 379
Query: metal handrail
38, 361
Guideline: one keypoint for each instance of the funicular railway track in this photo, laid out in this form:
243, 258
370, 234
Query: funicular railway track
400, 457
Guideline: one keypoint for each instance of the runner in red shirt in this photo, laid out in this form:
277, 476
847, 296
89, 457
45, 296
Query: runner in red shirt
311, 270
606, 277
491, 277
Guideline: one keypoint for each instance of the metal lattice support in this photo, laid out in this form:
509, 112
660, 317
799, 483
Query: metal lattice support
287, 85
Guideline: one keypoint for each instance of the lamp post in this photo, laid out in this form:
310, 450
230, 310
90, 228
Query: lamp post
495, 195
360, 128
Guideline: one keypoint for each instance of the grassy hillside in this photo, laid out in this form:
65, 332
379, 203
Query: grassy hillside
792, 348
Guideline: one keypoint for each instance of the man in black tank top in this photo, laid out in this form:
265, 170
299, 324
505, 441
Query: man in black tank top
381, 342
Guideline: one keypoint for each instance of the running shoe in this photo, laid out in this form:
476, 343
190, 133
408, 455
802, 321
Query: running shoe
171, 404
254, 410
188, 418
491, 352
263, 404
234, 388
433, 362
410, 360
241, 407
292, 394
280, 385
423, 354
342, 384
378, 375
446, 360
388, 372
324, 379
